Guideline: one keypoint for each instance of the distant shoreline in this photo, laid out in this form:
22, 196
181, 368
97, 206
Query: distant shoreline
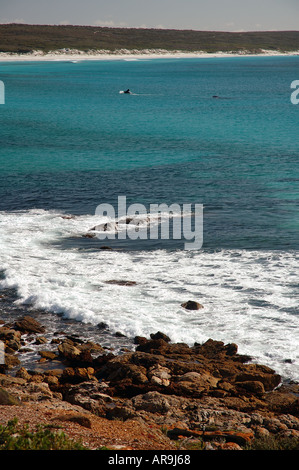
75, 55
94, 40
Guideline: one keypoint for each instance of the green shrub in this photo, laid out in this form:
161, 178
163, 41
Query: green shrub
15, 437
274, 443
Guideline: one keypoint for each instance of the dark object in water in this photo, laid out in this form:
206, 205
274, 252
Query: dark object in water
127, 91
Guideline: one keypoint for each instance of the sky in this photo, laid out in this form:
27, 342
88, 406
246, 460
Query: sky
205, 15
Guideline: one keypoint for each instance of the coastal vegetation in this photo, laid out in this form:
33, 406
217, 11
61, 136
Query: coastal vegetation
16, 437
22, 38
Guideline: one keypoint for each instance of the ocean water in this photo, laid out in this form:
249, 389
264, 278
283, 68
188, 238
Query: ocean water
71, 141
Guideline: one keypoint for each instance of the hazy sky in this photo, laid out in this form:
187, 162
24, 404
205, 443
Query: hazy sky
224, 15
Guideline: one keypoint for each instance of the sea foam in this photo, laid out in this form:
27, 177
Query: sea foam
249, 297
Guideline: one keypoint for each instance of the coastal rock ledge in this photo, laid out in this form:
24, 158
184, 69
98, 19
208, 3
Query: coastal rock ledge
206, 396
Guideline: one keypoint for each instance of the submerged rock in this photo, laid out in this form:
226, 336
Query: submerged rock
121, 282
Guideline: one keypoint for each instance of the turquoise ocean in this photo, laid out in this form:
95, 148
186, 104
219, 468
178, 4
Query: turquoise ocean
221, 132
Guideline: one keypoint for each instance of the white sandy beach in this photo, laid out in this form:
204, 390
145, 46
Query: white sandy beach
124, 54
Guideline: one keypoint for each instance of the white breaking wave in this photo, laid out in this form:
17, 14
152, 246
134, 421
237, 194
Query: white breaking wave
249, 297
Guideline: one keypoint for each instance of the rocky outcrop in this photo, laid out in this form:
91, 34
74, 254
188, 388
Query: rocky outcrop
206, 391
210, 369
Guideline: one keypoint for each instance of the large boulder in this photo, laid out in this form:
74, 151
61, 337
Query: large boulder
28, 324
68, 350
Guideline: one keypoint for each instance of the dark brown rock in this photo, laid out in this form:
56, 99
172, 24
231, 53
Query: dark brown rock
192, 305
215, 349
41, 340
68, 350
160, 346
140, 340
11, 361
28, 324
160, 335
253, 386
282, 401
122, 368
77, 354
23, 374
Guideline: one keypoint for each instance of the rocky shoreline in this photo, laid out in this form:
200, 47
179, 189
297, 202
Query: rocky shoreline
162, 395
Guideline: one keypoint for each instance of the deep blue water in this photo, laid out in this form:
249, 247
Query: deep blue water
70, 141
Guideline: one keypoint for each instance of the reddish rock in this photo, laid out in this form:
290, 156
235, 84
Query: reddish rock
140, 340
